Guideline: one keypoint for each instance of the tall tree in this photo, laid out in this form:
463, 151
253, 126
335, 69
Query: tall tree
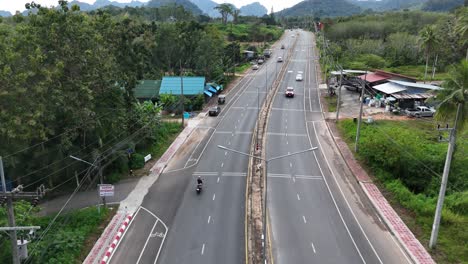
454, 98
428, 40
235, 15
225, 10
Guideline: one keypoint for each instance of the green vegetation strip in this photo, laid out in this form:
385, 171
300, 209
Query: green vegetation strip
407, 161
68, 240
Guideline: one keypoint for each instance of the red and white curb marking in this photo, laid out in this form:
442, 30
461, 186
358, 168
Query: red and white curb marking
117, 238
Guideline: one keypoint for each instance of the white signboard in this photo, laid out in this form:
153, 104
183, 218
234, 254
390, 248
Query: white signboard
148, 157
106, 190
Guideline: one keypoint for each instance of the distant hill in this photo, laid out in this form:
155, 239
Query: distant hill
321, 8
185, 3
253, 9
385, 5
207, 6
441, 5
102, 3
4, 13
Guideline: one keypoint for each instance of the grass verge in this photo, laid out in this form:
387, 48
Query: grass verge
407, 160
241, 68
68, 240
331, 103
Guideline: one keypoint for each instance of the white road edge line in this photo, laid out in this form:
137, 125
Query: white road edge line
320, 168
146, 242
298, 197
165, 233
209, 218
203, 249
214, 196
303, 218
342, 194
313, 248
217, 180
222, 164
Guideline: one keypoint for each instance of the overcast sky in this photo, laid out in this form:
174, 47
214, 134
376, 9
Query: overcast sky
13, 5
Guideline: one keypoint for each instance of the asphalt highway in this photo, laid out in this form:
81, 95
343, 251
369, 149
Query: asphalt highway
174, 224
316, 215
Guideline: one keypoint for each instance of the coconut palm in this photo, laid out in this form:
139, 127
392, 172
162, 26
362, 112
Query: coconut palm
461, 27
235, 15
428, 40
225, 10
454, 98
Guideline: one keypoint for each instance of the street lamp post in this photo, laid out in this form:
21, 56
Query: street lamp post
266, 185
101, 180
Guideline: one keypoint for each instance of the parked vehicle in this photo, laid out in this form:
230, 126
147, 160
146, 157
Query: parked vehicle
260, 61
280, 59
299, 77
267, 53
214, 111
420, 111
255, 67
221, 99
289, 92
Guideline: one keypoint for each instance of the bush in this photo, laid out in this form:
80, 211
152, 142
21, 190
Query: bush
198, 102
137, 161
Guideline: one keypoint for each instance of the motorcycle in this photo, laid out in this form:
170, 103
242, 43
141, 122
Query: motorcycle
199, 188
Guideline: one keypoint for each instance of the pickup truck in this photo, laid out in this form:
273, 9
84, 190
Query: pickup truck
420, 111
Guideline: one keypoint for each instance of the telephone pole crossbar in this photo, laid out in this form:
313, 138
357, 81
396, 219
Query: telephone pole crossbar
8, 198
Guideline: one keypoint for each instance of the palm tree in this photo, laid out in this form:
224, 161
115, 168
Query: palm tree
235, 14
461, 26
225, 10
453, 101
428, 39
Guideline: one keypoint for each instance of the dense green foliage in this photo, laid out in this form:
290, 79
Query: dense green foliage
442, 5
408, 161
63, 243
67, 80
396, 39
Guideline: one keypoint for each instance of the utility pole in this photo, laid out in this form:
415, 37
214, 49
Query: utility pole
16, 193
443, 184
339, 96
358, 132
182, 92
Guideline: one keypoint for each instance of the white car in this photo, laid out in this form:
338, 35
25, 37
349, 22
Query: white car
299, 77
280, 59
255, 67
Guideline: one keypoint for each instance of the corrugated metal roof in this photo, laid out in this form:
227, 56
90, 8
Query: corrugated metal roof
416, 85
413, 96
147, 89
373, 77
389, 88
192, 85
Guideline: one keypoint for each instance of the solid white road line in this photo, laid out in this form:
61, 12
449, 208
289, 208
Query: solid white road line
203, 249
313, 248
344, 197
209, 218
303, 218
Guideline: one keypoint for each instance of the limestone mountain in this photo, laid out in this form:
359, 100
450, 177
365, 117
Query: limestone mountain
253, 9
207, 6
321, 8
185, 3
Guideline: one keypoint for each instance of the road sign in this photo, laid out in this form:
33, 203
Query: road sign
147, 157
106, 190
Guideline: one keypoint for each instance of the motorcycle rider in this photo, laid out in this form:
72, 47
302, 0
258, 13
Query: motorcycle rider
199, 181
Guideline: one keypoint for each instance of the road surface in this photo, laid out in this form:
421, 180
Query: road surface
316, 215
174, 224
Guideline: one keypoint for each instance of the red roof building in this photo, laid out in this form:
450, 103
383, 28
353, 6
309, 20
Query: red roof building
379, 76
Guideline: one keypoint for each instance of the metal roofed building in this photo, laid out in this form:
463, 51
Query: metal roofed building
407, 93
379, 76
147, 89
192, 85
